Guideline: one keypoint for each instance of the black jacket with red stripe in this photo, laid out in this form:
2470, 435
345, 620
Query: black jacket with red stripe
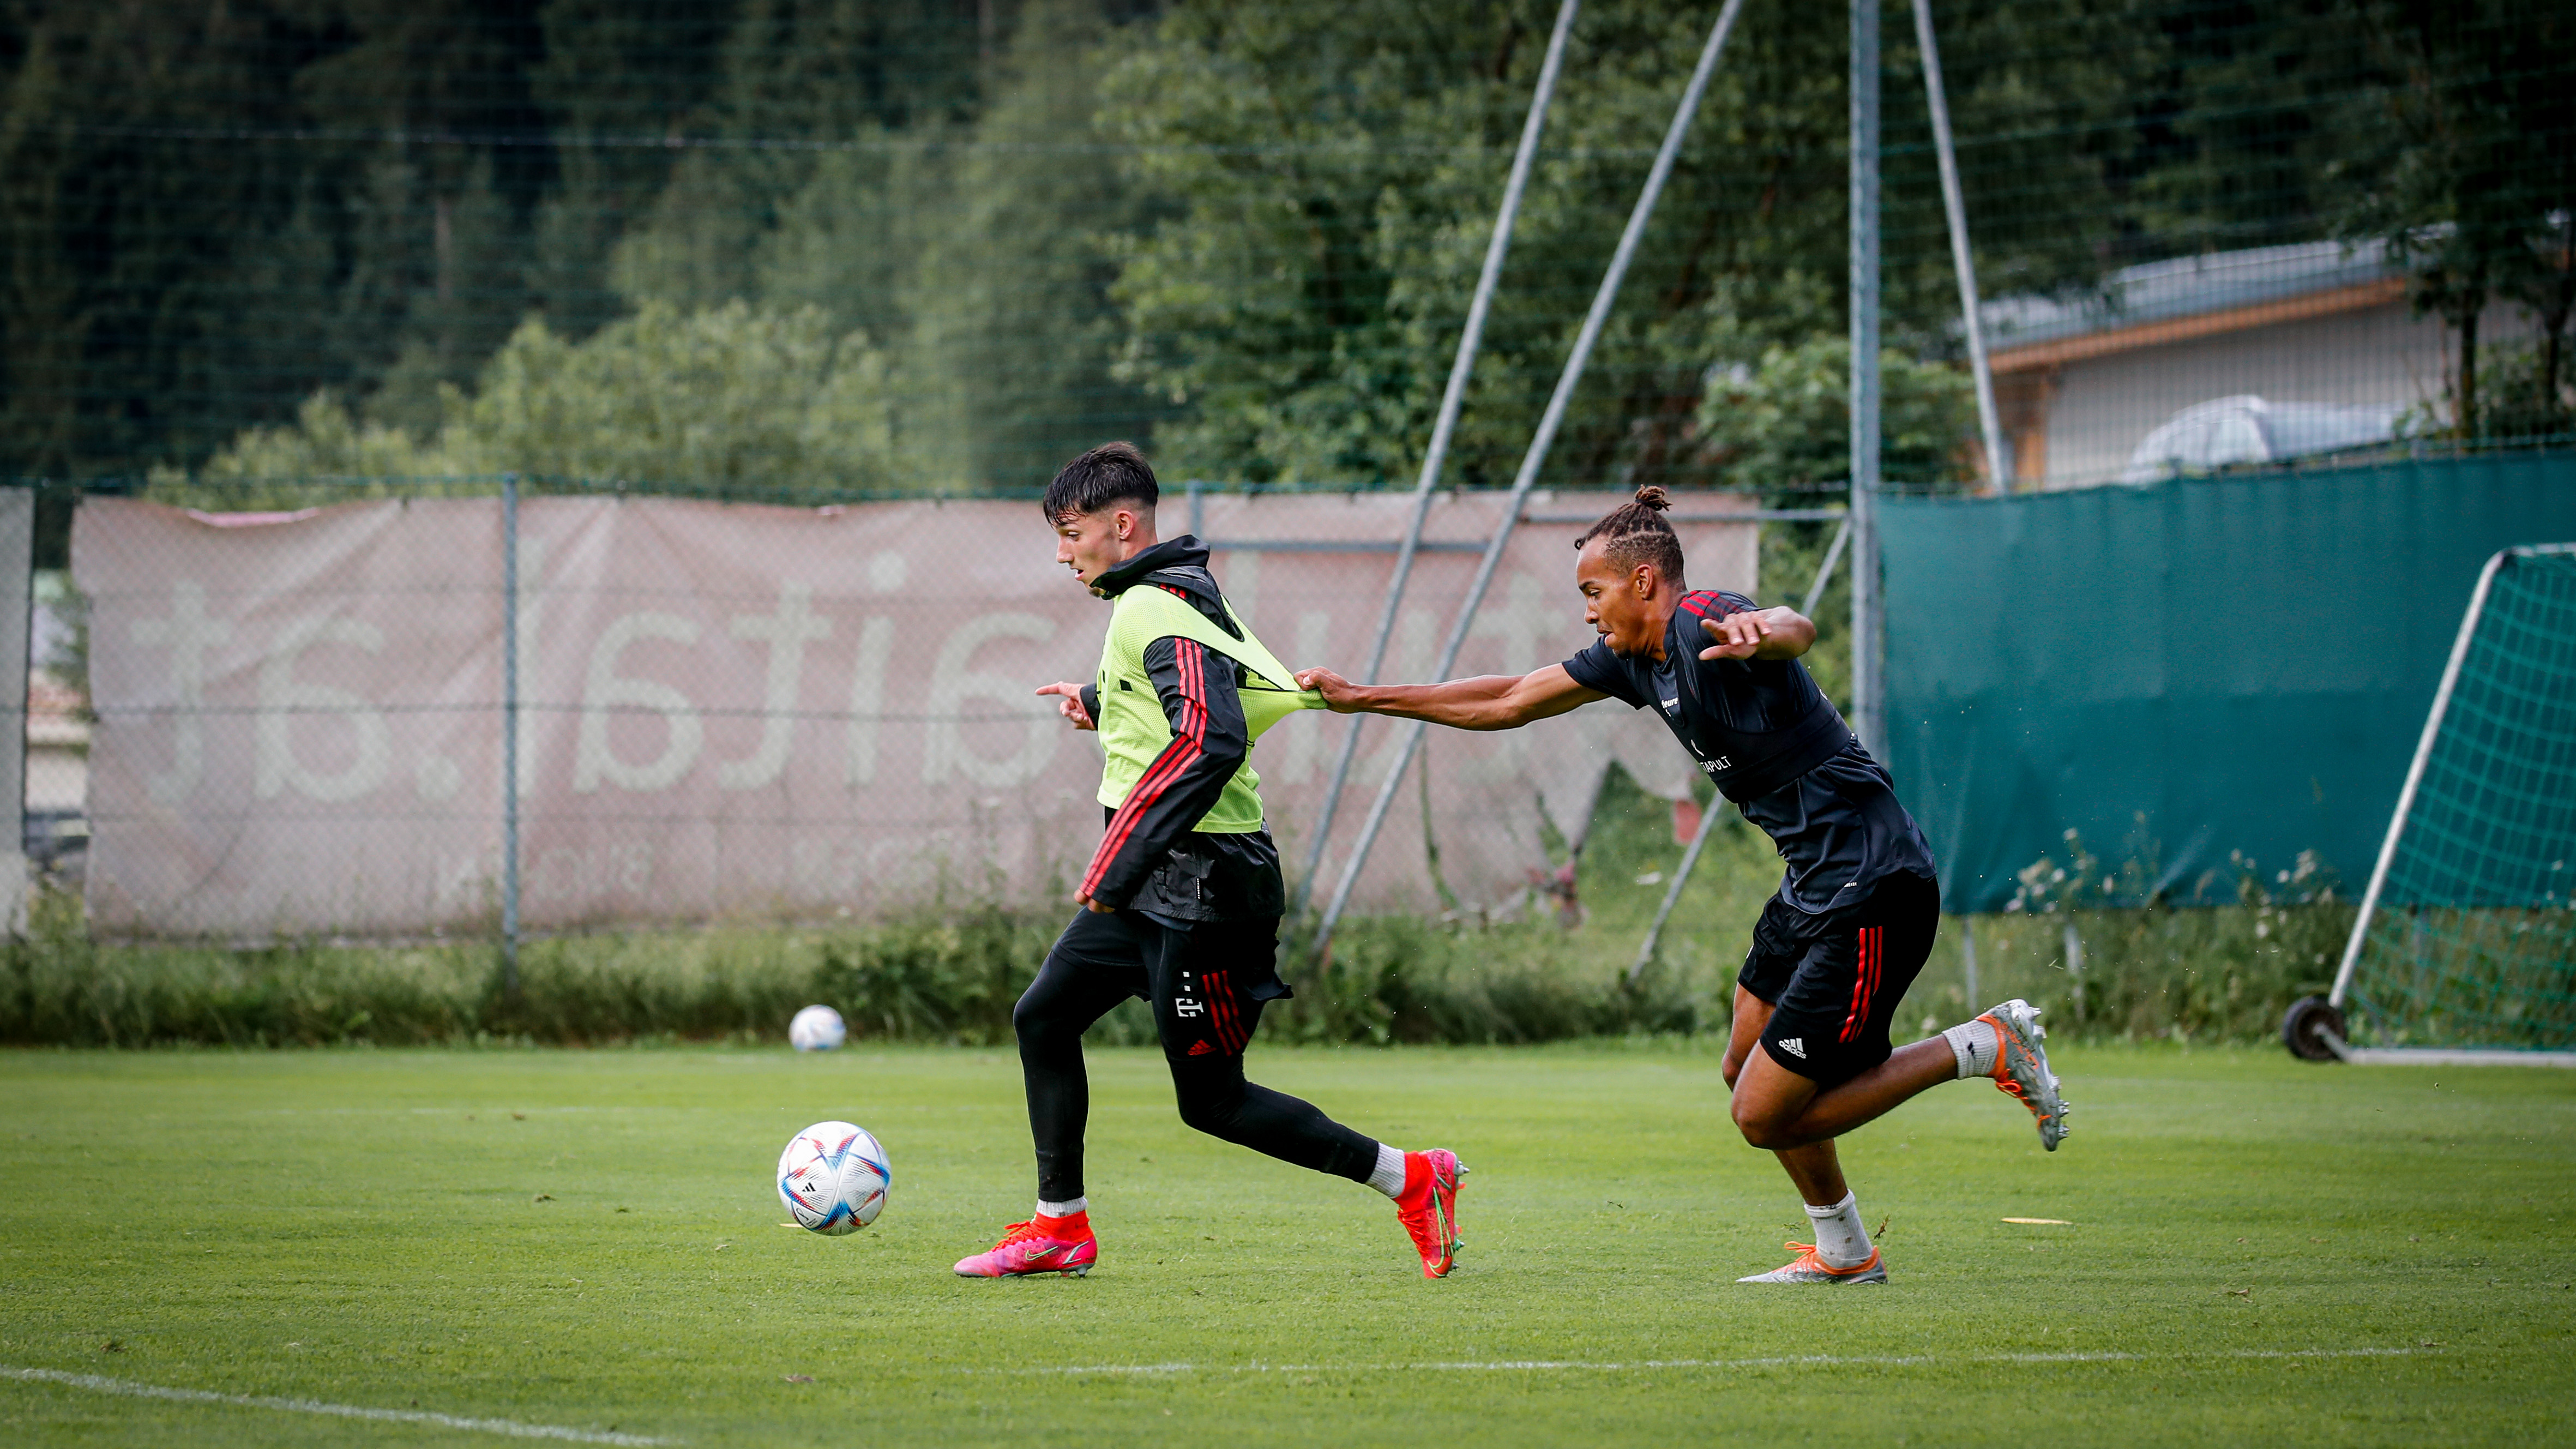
1149, 859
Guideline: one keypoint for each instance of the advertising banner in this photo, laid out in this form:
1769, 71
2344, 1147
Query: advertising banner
730, 712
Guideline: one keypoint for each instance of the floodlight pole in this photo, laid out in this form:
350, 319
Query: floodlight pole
1536, 456
1866, 687
1989, 423
510, 735
1451, 400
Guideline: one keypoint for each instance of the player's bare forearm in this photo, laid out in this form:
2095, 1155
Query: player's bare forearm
1488, 702
1482, 703
1781, 633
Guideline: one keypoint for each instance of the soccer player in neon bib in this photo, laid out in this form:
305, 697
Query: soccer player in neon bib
1857, 907
1182, 899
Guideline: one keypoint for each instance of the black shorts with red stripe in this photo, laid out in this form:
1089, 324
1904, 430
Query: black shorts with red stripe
1834, 978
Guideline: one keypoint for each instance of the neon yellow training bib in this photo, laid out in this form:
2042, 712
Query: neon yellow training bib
1132, 728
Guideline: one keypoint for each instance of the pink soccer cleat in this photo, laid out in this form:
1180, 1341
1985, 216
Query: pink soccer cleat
1040, 1245
1428, 1207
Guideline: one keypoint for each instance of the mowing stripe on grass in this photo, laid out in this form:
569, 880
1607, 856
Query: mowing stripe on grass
510, 1427
1803, 1360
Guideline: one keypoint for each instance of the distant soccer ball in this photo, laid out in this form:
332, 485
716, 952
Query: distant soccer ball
817, 1029
833, 1178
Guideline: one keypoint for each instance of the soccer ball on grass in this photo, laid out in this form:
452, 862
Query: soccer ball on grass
817, 1029
833, 1178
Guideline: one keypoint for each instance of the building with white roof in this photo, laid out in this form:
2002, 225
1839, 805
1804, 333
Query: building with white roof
2081, 385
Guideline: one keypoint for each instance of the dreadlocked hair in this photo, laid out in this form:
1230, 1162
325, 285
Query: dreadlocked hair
1635, 533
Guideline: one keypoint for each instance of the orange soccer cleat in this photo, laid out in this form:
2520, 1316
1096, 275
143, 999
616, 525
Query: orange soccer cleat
2021, 1069
1809, 1268
1428, 1207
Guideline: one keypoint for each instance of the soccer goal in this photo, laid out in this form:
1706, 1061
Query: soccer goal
2465, 948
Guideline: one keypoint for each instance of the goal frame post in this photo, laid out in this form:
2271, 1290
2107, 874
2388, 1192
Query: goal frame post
2431, 1056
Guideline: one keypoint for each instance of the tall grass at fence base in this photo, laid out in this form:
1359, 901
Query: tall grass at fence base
936, 976
2198, 975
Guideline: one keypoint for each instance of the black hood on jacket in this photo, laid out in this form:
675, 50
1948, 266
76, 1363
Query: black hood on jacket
1179, 564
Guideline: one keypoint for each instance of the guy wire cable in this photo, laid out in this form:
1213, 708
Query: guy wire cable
1450, 403
1536, 457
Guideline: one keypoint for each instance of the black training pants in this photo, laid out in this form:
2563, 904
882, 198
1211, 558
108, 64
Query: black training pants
1207, 984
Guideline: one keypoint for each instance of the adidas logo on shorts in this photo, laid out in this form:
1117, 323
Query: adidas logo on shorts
1795, 1046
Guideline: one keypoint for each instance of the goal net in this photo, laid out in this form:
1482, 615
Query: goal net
2466, 940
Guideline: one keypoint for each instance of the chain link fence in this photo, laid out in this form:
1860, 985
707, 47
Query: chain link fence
299, 721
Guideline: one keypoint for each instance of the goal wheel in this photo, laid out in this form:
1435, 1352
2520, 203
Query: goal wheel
2303, 1030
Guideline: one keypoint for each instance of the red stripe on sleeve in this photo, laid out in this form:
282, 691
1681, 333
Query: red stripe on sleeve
1188, 656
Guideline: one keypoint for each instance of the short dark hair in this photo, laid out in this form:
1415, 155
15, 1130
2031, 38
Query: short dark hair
1635, 533
1110, 473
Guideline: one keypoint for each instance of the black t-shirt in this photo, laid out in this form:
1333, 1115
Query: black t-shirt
1836, 820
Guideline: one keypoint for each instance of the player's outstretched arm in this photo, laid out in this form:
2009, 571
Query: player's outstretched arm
1489, 702
1781, 633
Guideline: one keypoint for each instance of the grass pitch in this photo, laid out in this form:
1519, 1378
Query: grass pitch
2259, 1251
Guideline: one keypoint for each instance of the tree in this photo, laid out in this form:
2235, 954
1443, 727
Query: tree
2460, 182
2443, 131
730, 399
1786, 424
966, 238
1333, 173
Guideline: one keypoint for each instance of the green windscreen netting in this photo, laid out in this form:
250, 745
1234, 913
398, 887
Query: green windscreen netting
2473, 940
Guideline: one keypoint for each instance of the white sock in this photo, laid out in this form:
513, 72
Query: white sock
1063, 1209
1840, 1239
1388, 1177
1975, 1043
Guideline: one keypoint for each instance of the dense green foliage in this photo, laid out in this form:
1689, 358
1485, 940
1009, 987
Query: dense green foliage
2258, 1251
2439, 129
1247, 230
725, 398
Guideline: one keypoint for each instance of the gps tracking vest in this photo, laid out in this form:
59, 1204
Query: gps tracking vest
1132, 728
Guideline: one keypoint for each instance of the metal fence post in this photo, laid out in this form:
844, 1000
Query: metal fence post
510, 735
1968, 959
1866, 685
17, 658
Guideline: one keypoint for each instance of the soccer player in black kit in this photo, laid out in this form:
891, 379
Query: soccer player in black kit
1858, 906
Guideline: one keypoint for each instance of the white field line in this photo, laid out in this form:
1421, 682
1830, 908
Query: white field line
1808, 1360
510, 1427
